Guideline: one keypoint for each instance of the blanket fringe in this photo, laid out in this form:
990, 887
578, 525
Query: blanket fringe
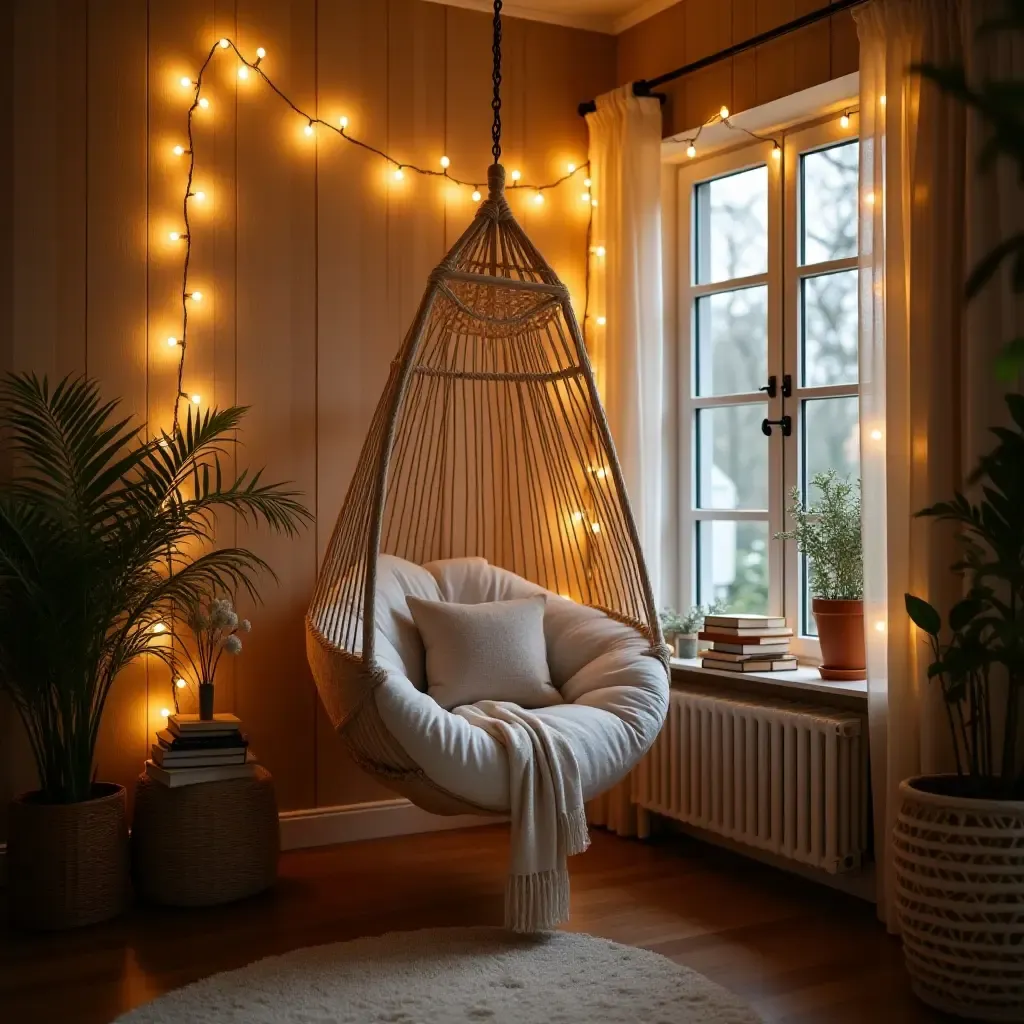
538, 902
573, 827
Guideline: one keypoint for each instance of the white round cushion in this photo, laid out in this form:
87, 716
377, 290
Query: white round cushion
615, 692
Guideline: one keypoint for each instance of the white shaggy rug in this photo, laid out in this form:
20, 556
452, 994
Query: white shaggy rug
454, 976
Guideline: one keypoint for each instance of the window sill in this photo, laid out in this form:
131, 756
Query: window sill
802, 683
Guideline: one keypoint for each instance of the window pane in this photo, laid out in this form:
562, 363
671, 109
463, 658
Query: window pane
808, 627
732, 342
830, 440
732, 457
731, 226
828, 188
732, 565
829, 321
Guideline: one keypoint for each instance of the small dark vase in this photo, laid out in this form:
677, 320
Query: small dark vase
206, 702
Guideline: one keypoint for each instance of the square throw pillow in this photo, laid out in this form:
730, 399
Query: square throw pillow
489, 651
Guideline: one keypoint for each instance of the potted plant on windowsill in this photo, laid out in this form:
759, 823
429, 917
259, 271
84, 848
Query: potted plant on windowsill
959, 838
828, 533
99, 531
681, 630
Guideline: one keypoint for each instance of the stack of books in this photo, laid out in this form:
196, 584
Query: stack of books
191, 750
747, 643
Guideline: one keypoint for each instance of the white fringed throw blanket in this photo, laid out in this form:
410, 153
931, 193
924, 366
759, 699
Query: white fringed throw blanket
548, 819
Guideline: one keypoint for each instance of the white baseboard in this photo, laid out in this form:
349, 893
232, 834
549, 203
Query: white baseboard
377, 819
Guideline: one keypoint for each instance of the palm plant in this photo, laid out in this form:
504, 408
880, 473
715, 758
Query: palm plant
103, 537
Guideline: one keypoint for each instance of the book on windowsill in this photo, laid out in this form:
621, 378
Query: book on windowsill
174, 777
745, 631
759, 653
784, 664
202, 741
743, 621
193, 725
782, 647
196, 758
776, 636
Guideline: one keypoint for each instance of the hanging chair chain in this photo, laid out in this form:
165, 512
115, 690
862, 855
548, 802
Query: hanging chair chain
496, 101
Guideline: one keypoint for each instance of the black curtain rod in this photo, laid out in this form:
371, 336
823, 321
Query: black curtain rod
646, 87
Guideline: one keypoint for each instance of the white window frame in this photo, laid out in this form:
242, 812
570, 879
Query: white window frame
783, 278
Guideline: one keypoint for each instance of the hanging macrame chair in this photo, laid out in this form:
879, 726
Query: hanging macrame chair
488, 473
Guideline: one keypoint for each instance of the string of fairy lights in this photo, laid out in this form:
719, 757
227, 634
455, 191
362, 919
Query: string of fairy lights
313, 123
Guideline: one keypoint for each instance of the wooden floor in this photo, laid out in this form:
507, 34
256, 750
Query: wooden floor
798, 952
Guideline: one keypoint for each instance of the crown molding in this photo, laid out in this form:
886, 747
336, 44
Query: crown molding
641, 13
590, 22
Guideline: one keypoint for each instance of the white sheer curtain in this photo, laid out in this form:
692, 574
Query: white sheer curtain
624, 330
928, 391
624, 325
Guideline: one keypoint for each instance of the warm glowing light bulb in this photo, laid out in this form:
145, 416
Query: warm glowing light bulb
601, 473
516, 175
243, 72
165, 712
844, 121
876, 435
870, 198
173, 235
399, 174
445, 162
601, 321
724, 112
343, 121
196, 399
196, 296
309, 128
172, 341
180, 683
776, 152
600, 250
199, 196
587, 183
585, 197
185, 81
224, 44
880, 625
204, 103
595, 527
691, 150
476, 195
539, 198
881, 100
593, 202
179, 150
260, 52
577, 517
571, 168
159, 627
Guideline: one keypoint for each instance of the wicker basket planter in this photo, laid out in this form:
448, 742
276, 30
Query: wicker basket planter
959, 873
67, 864
198, 846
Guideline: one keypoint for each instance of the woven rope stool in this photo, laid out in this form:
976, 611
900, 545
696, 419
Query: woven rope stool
196, 846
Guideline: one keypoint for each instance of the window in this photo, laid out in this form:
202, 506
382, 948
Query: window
768, 346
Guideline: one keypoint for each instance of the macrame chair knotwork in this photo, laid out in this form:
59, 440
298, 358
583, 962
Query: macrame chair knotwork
489, 440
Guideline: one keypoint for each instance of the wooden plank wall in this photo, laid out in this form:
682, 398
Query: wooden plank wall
692, 29
310, 262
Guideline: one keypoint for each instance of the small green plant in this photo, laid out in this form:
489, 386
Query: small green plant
690, 622
981, 666
828, 533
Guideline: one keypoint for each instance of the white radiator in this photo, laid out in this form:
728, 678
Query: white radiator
781, 777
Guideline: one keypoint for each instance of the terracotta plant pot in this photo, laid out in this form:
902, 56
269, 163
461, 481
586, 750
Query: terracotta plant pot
67, 864
841, 635
958, 862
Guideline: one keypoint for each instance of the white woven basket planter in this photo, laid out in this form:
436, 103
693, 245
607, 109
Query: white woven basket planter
959, 873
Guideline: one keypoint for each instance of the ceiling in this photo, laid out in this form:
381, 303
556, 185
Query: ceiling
609, 16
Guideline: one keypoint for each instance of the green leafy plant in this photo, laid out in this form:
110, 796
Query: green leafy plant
689, 622
980, 667
1000, 104
828, 533
104, 536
